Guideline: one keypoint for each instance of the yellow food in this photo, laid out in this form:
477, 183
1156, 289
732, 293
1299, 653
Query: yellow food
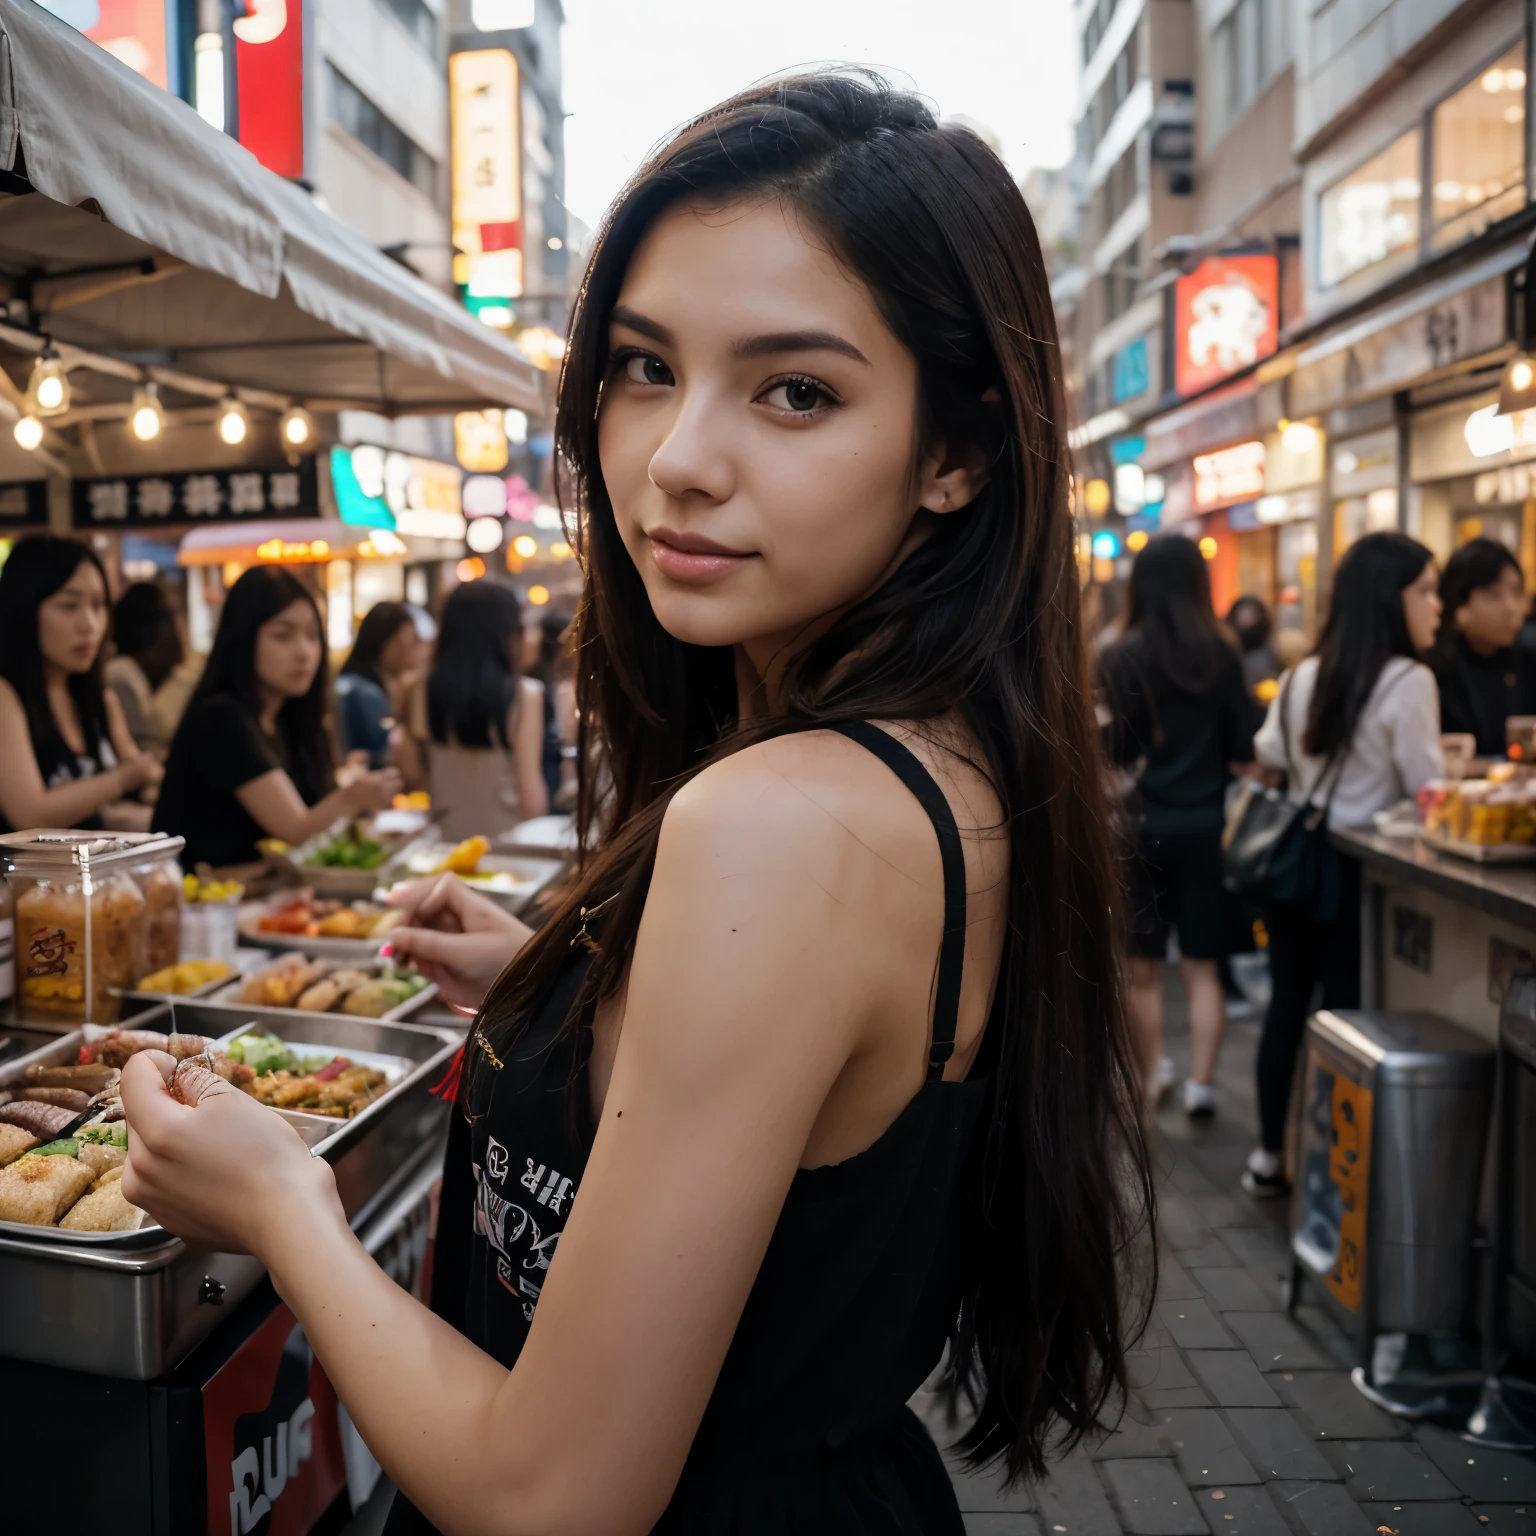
466, 856
213, 890
185, 976
347, 1095
416, 800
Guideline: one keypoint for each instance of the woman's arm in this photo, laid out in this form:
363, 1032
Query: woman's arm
279, 810
1269, 742
726, 1057
526, 722
25, 801
1413, 725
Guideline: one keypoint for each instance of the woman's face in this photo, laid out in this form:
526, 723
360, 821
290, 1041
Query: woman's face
72, 623
402, 652
1421, 606
758, 429
288, 650
1491, 617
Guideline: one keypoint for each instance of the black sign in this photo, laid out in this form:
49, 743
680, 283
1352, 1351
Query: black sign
1413, 938
203, 496
24, 504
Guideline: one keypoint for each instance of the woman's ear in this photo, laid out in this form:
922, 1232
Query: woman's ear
947, 485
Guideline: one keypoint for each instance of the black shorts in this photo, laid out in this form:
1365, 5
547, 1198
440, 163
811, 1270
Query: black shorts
1175, 883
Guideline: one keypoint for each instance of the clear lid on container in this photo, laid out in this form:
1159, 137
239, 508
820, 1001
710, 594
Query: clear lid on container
45, 851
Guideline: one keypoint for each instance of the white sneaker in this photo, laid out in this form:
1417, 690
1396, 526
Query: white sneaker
1199, 1100
1264, 1177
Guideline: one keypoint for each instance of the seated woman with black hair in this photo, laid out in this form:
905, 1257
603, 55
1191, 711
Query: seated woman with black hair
253, 757
83, 766
147, 673
1484, 676
385, 659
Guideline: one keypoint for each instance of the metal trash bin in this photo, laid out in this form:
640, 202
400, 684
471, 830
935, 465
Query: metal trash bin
1394, 1119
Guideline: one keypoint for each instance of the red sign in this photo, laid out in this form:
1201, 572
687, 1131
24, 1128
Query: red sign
271, 1436
269, 58
131, 30
1226, 317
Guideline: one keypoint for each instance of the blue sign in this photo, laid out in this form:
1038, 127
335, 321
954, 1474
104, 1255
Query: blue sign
1105, 545
1130, 371
1127, 450
353, 503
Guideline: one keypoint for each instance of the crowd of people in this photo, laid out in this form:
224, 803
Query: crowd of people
129, 731
1192, 705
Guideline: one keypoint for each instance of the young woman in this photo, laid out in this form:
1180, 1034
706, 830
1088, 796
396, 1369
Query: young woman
1180, 710
82, 765
253, 757
820, 1064
480, 723
149, 650
1249, 620
1355, 727
1484, 676
371, 687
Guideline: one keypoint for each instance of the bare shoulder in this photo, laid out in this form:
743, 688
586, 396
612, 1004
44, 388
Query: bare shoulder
10, 701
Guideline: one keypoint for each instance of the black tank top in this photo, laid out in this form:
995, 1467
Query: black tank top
807, 1430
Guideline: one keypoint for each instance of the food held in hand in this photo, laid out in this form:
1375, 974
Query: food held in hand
185, 976
104, 1208
115, 1049
42, 1120
14, 1140
38, 1190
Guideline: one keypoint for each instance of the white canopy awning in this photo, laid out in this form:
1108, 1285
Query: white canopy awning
137, 227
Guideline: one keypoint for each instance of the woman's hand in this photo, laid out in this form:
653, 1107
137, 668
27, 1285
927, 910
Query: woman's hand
137, 770
373, 791
212, 1165
455, 937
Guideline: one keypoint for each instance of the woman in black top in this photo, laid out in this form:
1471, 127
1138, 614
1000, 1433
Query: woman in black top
819, 1063
83, 764
370, 689
252, 757
1484, 676
1180, 709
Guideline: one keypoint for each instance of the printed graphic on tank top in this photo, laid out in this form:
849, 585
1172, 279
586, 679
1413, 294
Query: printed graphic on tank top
807, 1429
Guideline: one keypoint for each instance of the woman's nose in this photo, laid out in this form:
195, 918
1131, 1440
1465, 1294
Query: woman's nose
692, 459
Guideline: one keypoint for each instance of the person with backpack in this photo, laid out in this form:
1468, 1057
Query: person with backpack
1355, 728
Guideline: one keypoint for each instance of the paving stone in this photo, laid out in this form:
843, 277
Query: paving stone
1210, 1254
1493, 1477
1506, 1519
1241, 1512
1193, 1325
1179, 1222
1151, 1500
1271, 1280
1001, 1525
982, 1491
1137, 1434
1185, 1175
1232, 1289
1332, 1409
1432, 1518
1320, 1509
1071, 1499
1205, 1450
1278, 1446
1256, 1245
1220, 1211
1149, 1368
1387, 1469
1161, 1399
1275, 1342
1172, 1282
1231, 1378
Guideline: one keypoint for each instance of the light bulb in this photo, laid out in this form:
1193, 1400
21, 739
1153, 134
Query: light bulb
296, 426
146, 419
1298, 437
48, 387
50, 393
1521, 374
28, 432
233, 422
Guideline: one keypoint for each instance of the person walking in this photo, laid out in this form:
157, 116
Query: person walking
1179, 712
1484, 676
1355, 728
819, 1064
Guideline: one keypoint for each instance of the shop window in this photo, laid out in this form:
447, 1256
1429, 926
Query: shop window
360, 118
1478, 152
1373, 213
1121, 281
1247, 51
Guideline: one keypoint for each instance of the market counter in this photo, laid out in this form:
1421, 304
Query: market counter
1438, 932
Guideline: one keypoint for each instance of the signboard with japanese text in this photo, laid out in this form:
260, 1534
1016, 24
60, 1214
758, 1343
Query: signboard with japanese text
1226, 317
23, 504
202, 496
485, 126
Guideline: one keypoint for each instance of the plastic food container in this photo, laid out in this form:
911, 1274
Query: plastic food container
80, 920
159, 879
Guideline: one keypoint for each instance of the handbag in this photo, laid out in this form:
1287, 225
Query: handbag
1277, 853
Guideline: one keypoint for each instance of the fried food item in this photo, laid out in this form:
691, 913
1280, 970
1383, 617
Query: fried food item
117, 1047
66, 1098
38, 1190
277, 985
105, 1208
321, 997
101, 1157
14, 1140
92, 1078
390, 917
339, 1098
42, 1120
464, 858
345, 924
372, 1000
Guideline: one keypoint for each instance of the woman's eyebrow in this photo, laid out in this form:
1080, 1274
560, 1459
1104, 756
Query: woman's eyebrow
796, 341
633, 320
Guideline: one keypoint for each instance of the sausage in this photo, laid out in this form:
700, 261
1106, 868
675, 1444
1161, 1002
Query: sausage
88, 1079
117, 1047
65, 1098
44, 1120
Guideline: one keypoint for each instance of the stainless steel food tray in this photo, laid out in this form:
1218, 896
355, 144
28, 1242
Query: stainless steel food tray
133, 1304
227, 995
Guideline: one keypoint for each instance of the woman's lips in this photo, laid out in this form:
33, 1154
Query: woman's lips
701, 564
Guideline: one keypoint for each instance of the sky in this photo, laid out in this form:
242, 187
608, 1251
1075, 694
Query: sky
635, 69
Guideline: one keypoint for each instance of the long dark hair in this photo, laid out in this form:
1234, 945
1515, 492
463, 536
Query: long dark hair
37, 567
302, 723
1171, 619
1477, 564
473, 682
380, 625
1365, 629
144, 628
980, 618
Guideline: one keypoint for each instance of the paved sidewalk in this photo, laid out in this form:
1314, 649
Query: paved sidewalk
1245, 1424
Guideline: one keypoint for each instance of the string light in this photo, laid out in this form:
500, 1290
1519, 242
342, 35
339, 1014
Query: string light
234, 422
48, 389
146, 416
296, 426
28, 432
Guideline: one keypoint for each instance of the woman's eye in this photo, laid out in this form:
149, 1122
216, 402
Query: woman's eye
800, 396
645, 368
